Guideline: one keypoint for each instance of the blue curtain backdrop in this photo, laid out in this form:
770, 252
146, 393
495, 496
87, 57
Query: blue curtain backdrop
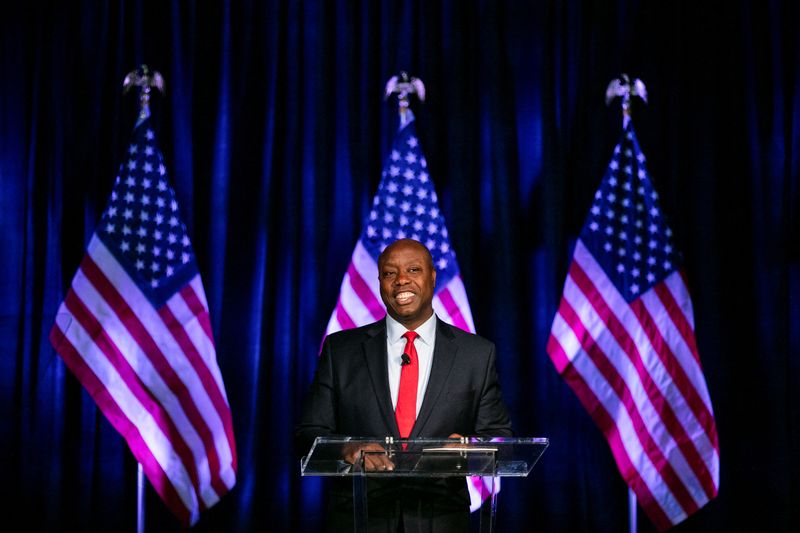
274, 130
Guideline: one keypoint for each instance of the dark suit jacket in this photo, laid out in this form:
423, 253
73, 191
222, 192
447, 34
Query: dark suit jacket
350, 397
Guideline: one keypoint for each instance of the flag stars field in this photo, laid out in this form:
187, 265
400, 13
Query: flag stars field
151, 211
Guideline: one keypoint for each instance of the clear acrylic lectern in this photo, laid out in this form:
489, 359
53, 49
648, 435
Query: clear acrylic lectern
426, 458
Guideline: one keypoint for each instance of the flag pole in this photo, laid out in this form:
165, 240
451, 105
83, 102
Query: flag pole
140, 481
632, 511
404, 85
144, 78
625, 88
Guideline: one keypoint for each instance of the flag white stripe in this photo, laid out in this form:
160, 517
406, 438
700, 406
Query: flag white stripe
591, 375
441, 311
353, 304
459, 295
685, 358
683, 353
194, 330
680, 292
333, 325
197, 286
368, 268
172, 352
488, 484
158, 444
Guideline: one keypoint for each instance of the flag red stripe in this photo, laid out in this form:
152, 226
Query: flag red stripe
480, 487
610, 430
452, 309
342, 317
687, 332
557, 353
97, 390
364, 293
678, 318
198, 310
618, 384
210, 386
689, 393
137, 387
214, 392
149, 347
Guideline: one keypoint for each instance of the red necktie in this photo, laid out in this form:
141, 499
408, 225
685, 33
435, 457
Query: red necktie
406, 410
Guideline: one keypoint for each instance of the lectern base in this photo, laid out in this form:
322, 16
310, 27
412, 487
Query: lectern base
439, 505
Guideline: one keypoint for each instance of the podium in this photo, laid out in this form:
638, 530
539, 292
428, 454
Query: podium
489, 458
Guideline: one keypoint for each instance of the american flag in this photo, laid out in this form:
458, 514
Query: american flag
134, 329
623, 338
405, 206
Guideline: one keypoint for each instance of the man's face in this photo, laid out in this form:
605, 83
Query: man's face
407, 282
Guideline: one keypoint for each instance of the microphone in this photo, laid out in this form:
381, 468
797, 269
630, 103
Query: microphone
406, 360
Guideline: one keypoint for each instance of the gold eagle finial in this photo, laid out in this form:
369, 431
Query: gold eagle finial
144, 78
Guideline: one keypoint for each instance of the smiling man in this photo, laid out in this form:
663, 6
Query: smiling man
407, 279
409, 375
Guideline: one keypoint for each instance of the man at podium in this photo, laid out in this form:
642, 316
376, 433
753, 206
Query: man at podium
409, 375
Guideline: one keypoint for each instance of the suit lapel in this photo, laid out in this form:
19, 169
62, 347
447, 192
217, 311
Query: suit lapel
444, 355
376, 358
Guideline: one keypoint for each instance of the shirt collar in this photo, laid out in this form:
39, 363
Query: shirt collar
395, 330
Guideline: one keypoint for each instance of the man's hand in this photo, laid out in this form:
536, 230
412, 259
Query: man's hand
372, 461
456, 444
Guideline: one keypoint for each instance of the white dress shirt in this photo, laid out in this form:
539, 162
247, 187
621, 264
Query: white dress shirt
396, 343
